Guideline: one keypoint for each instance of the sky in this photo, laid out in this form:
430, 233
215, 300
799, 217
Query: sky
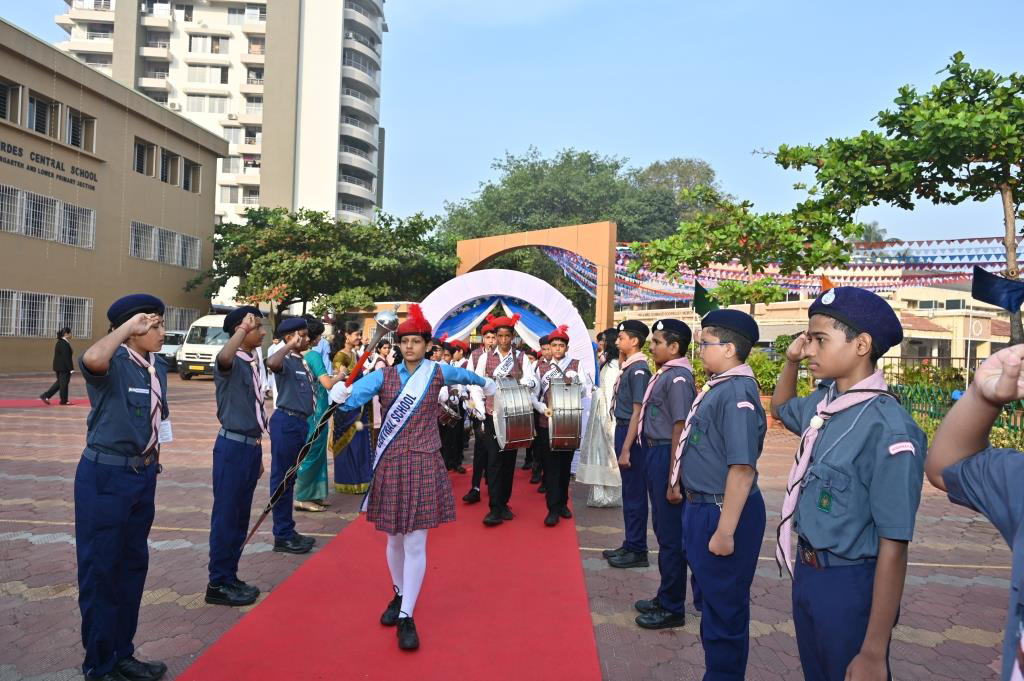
465, 81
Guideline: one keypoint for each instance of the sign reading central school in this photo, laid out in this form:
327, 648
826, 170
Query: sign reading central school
47, 166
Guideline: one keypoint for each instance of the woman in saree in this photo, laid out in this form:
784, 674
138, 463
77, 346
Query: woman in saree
599, 466
349, 442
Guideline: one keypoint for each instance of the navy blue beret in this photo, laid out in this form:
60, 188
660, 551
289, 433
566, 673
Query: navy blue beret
863, 311
125, 308
635, 327
734, 320
292, 324
235, 317
676, 326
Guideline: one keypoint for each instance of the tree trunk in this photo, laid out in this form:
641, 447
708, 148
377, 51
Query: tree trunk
1012, 270
750, 280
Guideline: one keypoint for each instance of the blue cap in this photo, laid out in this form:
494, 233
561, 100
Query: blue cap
734, 320
634, 327
292, 324
236, 316
125, 308
678, 327
863, 311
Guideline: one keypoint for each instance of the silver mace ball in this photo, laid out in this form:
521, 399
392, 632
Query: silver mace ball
387, 320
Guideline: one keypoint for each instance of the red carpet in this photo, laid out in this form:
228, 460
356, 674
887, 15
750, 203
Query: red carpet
507, 602
36, 402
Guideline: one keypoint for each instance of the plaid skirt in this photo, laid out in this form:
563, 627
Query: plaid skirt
410, 491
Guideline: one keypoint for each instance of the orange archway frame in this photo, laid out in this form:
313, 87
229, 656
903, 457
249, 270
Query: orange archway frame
595, 242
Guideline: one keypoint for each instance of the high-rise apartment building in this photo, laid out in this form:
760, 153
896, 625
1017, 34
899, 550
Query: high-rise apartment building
292, 85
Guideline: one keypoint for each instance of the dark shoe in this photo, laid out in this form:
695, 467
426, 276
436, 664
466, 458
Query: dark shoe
229, 594
611, 553
472, 496
541, 489
408, 639
535, 478
507, 514
461, 470
110, 676
136, 670
45, 399
294, 544
394, 609
647, 606
630, 559
660, 619
493, 518
526, 466
551, 520
254, 590
565, 512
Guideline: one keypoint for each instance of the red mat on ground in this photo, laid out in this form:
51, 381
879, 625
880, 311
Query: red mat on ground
507, 602
36, 402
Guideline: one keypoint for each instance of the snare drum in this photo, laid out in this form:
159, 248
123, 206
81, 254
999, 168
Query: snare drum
447, 416
566, 422
513, 414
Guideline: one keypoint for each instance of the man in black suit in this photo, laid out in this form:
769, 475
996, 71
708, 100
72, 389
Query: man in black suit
63, 364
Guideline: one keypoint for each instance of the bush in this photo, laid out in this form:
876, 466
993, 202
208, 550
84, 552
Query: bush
1003, 438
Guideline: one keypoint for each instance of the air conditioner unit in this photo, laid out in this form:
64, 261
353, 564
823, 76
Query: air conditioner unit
232, 117
174, 106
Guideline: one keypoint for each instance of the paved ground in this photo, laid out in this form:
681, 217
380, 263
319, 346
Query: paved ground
950, 626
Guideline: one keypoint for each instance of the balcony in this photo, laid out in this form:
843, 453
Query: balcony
249, 178
360, 16
80, 13
351, 212
79, 45
207, 58
252, 59
158, 50
361, 76
251, 200
164, 21
249, 118
353, 38
251, 86
358, 187
356, 100
255, 28
154, 80
360, 130
64, 21
357, 158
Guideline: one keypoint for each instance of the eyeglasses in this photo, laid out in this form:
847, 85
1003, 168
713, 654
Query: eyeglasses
704, 344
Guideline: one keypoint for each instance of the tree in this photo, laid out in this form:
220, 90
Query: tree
962, 140
873, 233
310, 257
731, 230
679, 175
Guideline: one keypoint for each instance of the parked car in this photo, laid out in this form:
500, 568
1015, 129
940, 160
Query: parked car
169, 350
204, 340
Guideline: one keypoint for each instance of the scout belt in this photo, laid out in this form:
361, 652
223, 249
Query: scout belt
822, 559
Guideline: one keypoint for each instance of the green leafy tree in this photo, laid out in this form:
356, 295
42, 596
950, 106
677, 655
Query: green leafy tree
873, 233
309, 257
963, 140
760, 290
679, 175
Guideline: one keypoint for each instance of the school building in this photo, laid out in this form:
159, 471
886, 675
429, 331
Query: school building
103, 192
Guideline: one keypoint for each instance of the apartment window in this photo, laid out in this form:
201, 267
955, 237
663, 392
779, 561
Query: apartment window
229, 194
158, 97
257, 45
255, 14
217, 104
253, 135
158, 39
190, 176
189, 247
251, 163
144, 157
231, 164
251, 197
184, 11
10, 101
142, 241
254, 105
33, 312
10, 209
40, 216
76, 313
254, 77
169, 167
42, 114
195, 103
236, 16
77, 226
166, 246
233, 135
197, 74
81, 130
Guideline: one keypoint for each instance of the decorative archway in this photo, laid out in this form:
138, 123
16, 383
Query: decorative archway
595, 242
465, 288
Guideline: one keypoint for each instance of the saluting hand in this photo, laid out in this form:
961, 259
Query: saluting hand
795, 351
248, 323
998, 380
140, 324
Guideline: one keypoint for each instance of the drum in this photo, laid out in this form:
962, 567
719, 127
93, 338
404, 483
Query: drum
565, 425
513, 414
447, 416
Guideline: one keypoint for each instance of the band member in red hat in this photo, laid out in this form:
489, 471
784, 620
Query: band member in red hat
410, 491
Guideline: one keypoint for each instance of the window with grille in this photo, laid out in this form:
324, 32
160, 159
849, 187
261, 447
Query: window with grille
141, 243
163, 245
189, 252
10, 209
8, 311
77, 226
34, 312
10, 101
166, 246
40, 216
43, 217
179, 318
75, 313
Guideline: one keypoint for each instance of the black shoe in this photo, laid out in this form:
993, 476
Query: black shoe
526, 466
647, 606
408, 639
493, 518
294, 544
611, 553
551, 520
541, 488
629, 559
472, 496
229, 594
535, 478
394, 609
109, 676
565, 512
136, 670
254, 590
507, 514
45, 399
461, 470
660, 619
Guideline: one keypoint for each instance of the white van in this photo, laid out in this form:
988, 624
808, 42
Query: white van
204, 340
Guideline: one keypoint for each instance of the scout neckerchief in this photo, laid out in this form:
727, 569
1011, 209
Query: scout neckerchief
257, 386
632, 359
506, 365
677, 456
677, 362
868, 389
155, 393
405, 404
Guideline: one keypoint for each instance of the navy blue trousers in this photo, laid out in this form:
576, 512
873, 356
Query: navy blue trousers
668, 528
287, 435
113, 513
236, 469
724, 583
634, 492
831, 607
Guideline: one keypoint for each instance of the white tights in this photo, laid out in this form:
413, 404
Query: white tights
407, 561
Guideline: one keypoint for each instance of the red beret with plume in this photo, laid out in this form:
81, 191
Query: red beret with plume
415, 325
503, 322
561, 333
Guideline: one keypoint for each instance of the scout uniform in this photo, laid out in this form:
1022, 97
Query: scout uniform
629, 390
725, 427
115, 484
860, 480
288, 431
237, 453
667, 401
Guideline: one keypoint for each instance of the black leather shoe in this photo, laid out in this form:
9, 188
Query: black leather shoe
507, 514
137, 670
541, 489
493, 518
461, 470
526, 466
472, 496
254, 590
45, 399
551, 520
229, 594
630, 559
611, 553
110, 676
294, 544
535, 478
660, 619
565, 512
394, 609
647, 606
408, 639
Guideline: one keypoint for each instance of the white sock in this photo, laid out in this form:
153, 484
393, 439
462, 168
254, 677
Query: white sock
415, 567
396, 559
